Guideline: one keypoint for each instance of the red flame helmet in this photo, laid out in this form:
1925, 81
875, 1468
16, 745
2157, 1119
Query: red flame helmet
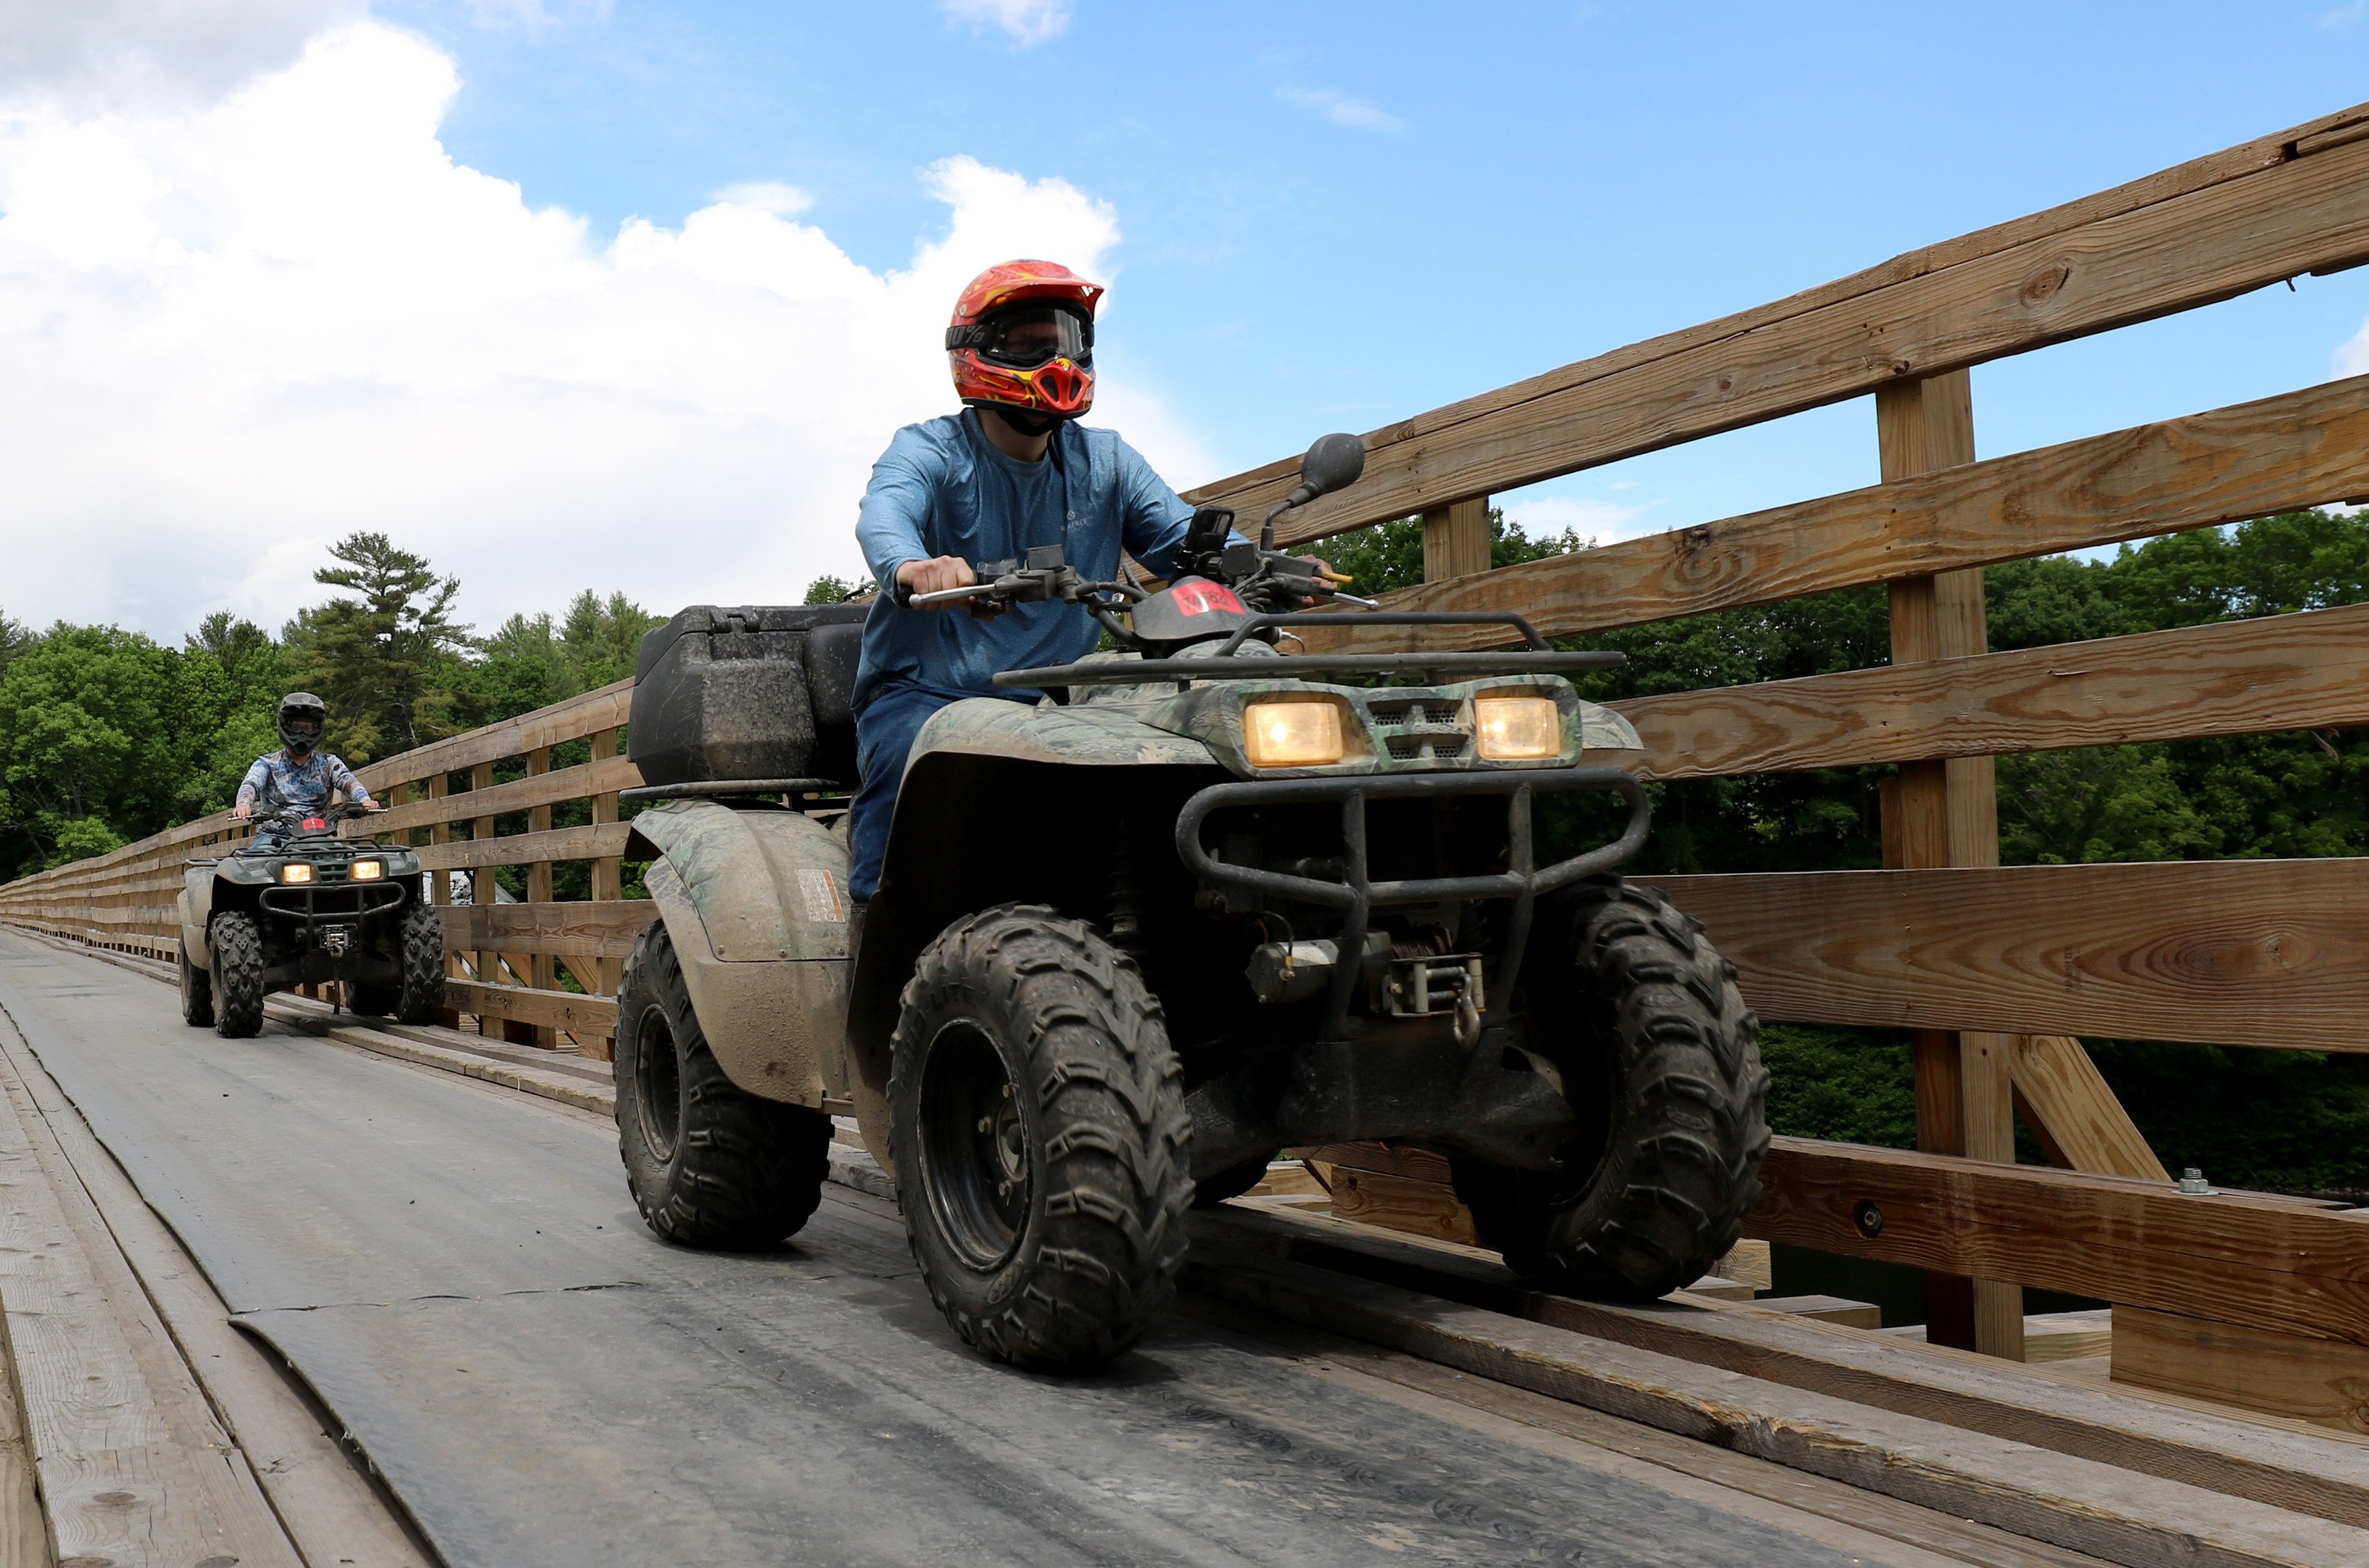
1022, 336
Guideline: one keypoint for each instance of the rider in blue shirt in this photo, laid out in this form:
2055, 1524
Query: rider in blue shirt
299, 773
1012, 471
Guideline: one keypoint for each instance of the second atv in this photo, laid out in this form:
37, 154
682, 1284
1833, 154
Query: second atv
1202, 903
299, 905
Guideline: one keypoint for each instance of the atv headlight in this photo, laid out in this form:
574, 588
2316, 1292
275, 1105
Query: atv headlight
1519, 729
296, 871
368, 870
1292, 735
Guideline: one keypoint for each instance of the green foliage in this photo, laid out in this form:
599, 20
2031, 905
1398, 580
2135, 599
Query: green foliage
835, 591
86, 717
1856, 1085
1388, 556
380, 659
82, 838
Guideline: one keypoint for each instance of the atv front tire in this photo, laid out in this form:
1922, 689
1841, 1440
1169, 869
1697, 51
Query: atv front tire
419, 999
237, 944
197, 993
1044, 1159
1661, 1059
709, 1163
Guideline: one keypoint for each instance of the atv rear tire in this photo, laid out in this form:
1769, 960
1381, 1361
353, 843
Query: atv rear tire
709, 1163
1043, 1157
197, 993
1661, 1059
237, 944
419, 999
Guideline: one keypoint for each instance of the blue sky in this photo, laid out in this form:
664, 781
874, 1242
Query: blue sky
1338, 214
1325, 216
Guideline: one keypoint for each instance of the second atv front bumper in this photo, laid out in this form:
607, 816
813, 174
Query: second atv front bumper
1357, 896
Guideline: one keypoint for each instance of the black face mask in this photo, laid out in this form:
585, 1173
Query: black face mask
1028, 421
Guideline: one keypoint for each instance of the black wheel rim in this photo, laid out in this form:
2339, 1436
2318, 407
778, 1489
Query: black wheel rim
976, 1160
657, 1083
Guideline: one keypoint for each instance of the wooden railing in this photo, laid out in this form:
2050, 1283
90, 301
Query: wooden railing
1997, 970
449, 799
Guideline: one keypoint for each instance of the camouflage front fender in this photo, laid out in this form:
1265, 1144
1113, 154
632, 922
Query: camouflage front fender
756, 901
1085, 735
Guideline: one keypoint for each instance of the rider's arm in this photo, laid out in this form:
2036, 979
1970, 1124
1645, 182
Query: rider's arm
889, 527
1153, 518
250, 787
342, 777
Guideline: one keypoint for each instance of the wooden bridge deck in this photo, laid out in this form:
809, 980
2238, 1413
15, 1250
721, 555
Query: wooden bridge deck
447, 1267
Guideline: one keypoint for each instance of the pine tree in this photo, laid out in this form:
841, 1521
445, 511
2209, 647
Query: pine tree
379, 659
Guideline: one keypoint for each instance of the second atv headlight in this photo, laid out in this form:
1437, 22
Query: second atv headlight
1519, 729
1292, 735
369, 870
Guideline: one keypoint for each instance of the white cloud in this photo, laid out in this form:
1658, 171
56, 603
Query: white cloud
1585, 516
766, 196
232, 332
125, 46
2351, 358
1028, 21
2345, 16
1340, 109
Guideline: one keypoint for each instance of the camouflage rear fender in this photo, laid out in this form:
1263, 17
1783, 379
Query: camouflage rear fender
756, 901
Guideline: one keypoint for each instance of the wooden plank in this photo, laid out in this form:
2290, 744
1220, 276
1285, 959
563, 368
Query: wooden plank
324, 1501
2250, 952
126, 1475
524, 1004
2296, 449
608, 929
521, 849
1838, 1310
2073, 1111
2301, 1377
605, 775
2286, 1264
2166, 255
2298, 671
2066, 1500
1456, 539
1401, 1203
2286, 1465
570, 719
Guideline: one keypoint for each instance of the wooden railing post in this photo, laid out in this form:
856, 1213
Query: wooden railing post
1456, 539
542, 968
608, 883
1946, 814
482, 886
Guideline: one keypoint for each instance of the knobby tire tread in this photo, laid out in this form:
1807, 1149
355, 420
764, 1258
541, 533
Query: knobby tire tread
237, 944
1097, 1259
748, 1172
419, 997
1682, 1169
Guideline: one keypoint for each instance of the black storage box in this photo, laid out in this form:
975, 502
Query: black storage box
726, 693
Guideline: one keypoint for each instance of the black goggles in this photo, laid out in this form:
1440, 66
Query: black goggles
304, 729
1026, 336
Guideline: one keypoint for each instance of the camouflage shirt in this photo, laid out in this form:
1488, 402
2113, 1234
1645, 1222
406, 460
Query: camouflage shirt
278, 778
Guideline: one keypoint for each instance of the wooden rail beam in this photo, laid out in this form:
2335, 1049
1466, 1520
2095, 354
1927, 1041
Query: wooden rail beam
2290, 1266
2297, 203
2243, 951
2305, 670
2275, 455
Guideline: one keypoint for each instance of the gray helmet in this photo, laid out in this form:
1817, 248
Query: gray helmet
302, 718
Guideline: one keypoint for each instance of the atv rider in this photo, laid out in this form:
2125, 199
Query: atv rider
1014, 470
299, 773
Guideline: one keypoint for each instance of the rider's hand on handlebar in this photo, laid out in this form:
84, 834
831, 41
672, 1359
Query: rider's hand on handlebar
243, 810
936, 576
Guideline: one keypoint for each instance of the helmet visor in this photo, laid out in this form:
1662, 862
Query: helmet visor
1027, 336
301, 726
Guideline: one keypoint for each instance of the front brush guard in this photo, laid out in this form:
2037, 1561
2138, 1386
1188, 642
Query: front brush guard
1359, 895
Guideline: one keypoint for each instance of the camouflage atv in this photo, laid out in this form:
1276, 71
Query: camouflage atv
299, 905
1202, 903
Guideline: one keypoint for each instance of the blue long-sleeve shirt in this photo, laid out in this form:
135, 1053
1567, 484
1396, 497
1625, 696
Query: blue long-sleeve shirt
941, 488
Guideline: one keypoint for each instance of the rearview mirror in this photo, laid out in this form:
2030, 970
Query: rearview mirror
1332, 464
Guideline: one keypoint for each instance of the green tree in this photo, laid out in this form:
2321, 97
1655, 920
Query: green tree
381, 661
14, 638
601, 639
834, 590
87, 735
